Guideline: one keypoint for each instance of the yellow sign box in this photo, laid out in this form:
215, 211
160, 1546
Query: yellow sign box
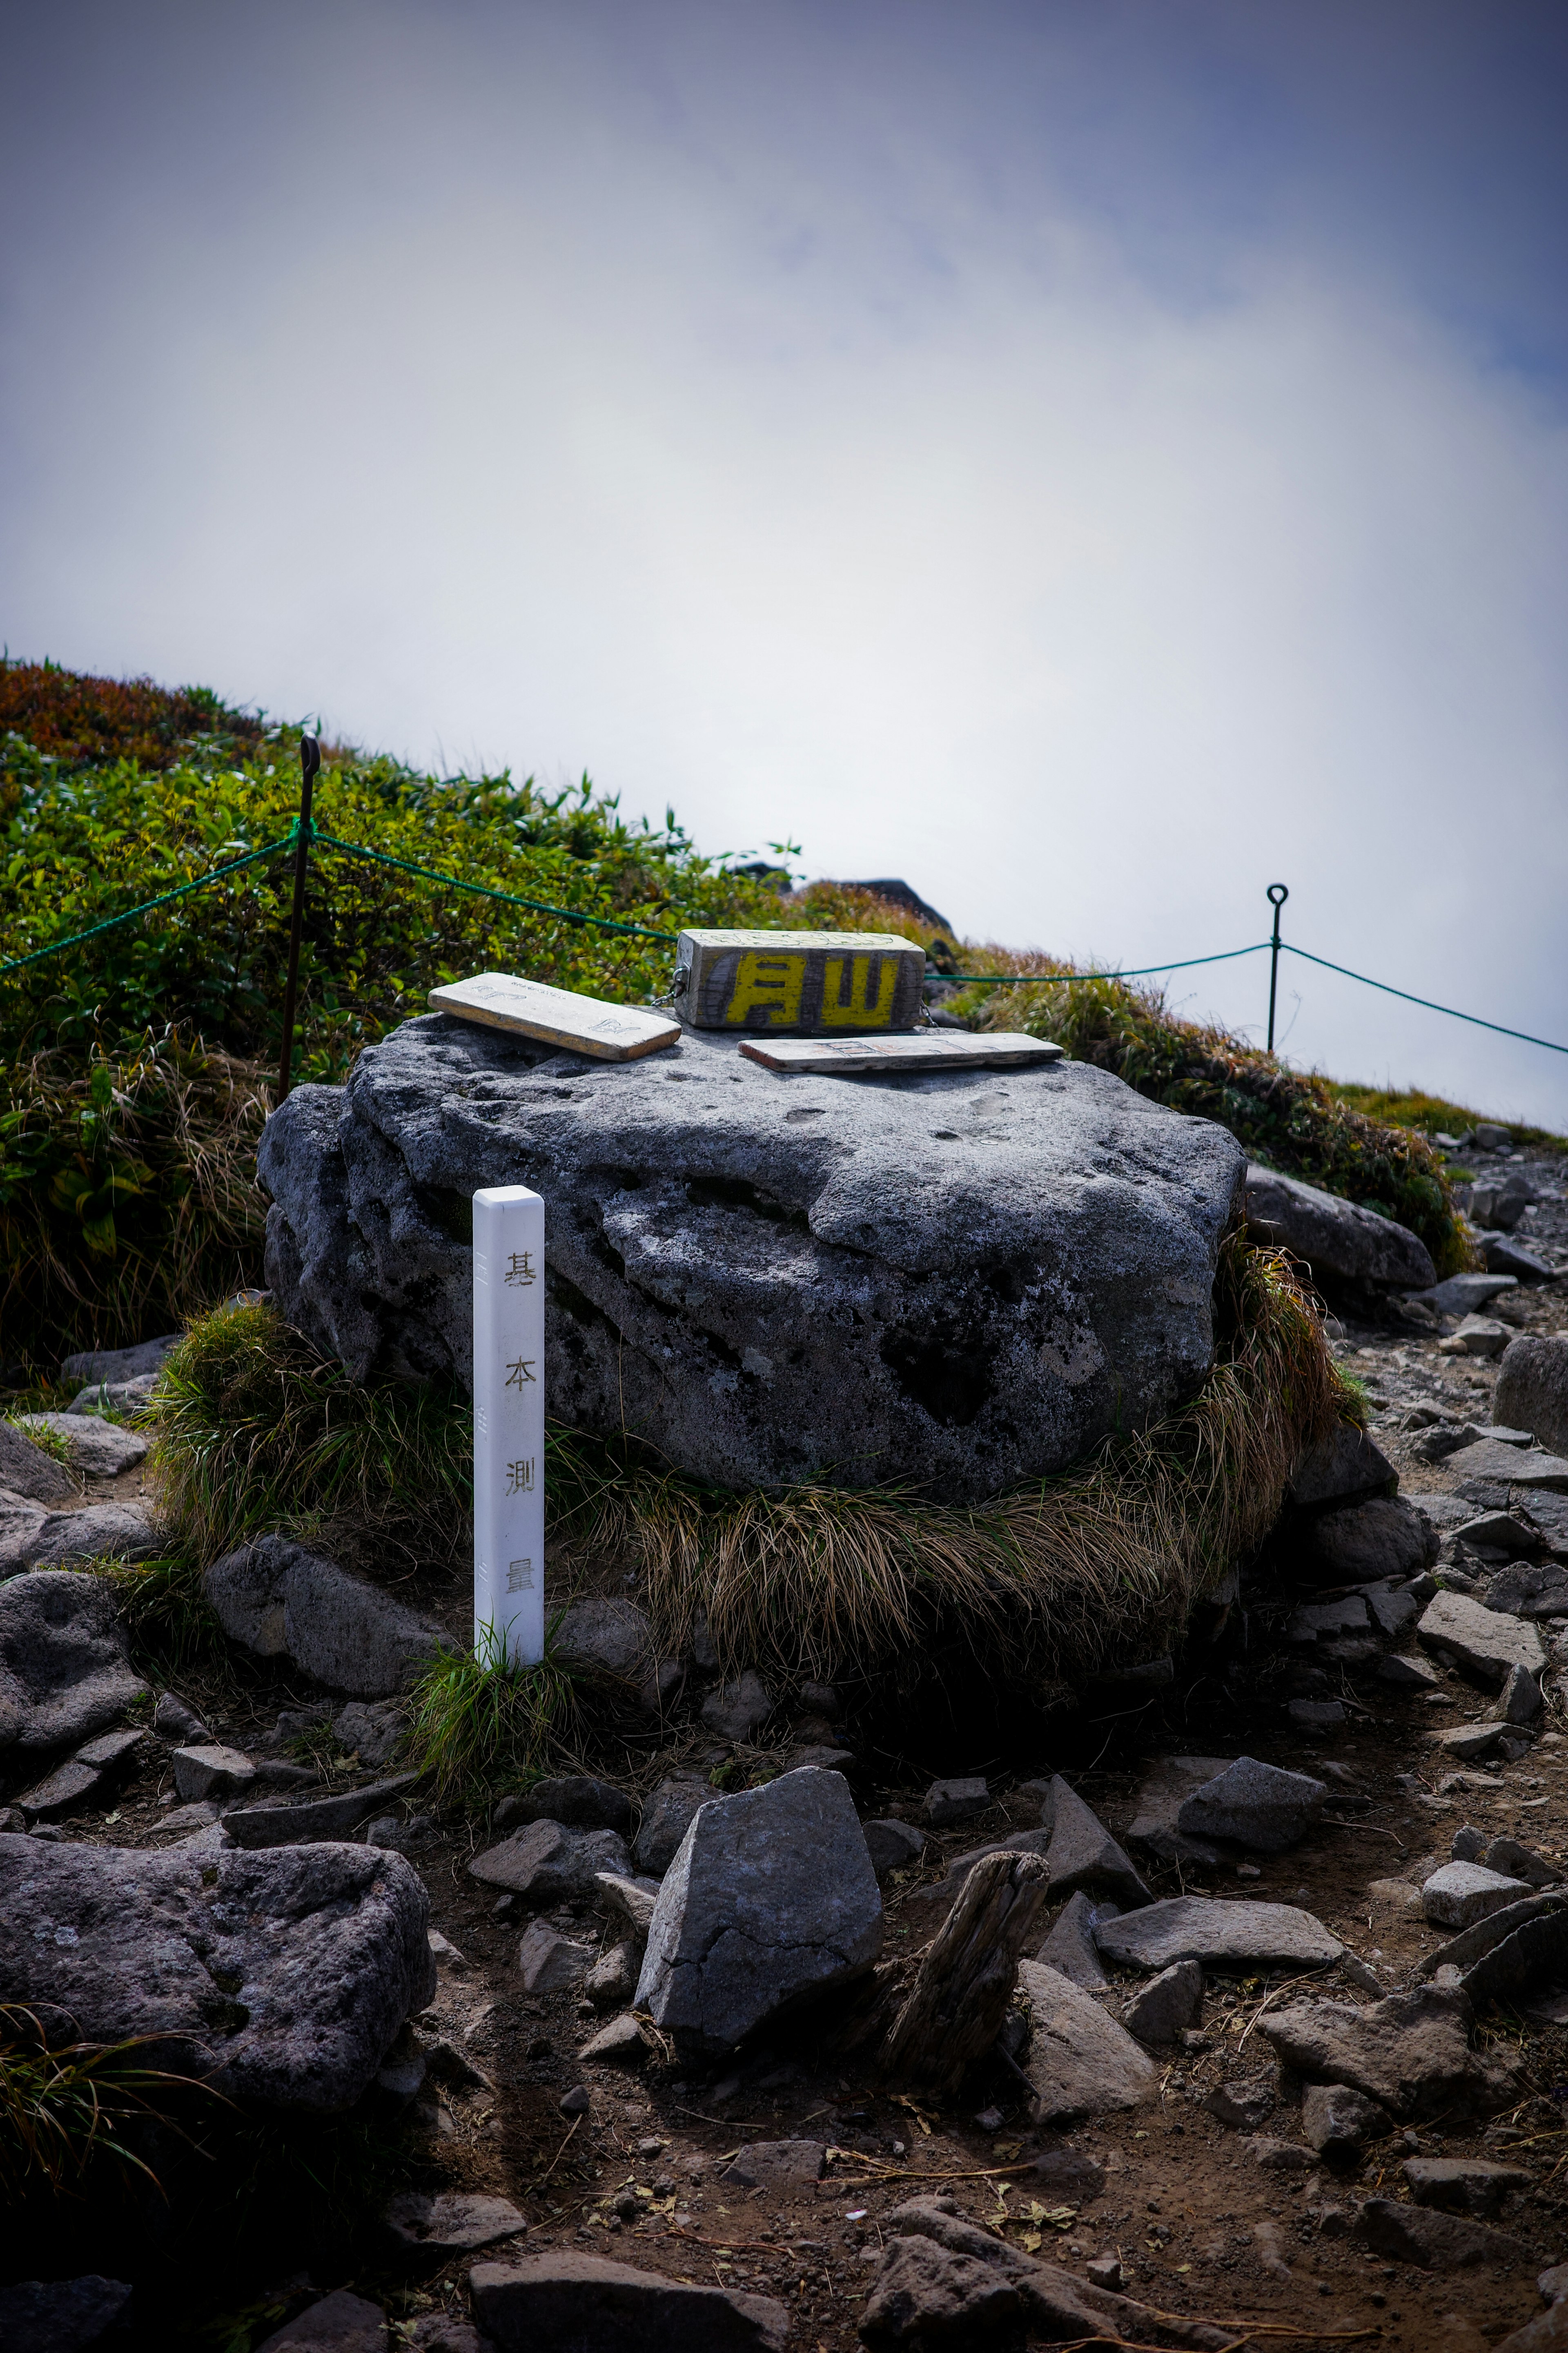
808, 983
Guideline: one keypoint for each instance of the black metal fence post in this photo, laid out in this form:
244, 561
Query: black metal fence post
1277, 894
309, 764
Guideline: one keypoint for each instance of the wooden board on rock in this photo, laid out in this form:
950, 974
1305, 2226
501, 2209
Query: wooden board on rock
921, 1050
558, 1016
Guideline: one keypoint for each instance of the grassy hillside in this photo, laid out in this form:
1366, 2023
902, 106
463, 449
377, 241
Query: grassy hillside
139, 1064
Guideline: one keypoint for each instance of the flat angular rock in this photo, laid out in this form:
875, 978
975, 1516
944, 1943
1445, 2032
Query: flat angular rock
772, 1897
1506, 1855
1521, 1698
1254, 1804
612, 1982
1169, 1782
277, 1598
630, 1901
576, 1799
212, 1771
76, 2316
102, 1532
892, 1846
1278, 2156
1409, 2052
584, 2304
26, 1470
777, 2165
1218, 1932
933, 1902
1079, 2059
338, 2323
666, 1818
1341, 1242
1082, 1853
1070, 1948
1468, 1742
1491, 1462
621, 2043
1531, 1388
737, 1710
1338, 2120
174, 1720
1167, 2005
1408, 1673
1476, 1336
282, 1978
317, 1820
65, 1791
758, 1297
1387, 1537
1316, 1619
98, 1449
1527, 1589
1463, 2185
549, 1960
1315, 1715
1481, 1640
1499, 1531
97, 1365
1242, 2106
1438, 2242
64, 1667
950, 1802
1346, 1467
1465, 1294
547, 1864
452, 2222
1392, 1607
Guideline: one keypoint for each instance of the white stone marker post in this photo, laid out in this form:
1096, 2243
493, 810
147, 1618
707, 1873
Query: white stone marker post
509, 1421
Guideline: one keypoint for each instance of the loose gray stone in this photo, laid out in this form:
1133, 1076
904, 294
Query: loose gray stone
76, 2316
174, 1720
1409, 2052
1346, 1467
628, 1900
771, 1897
1081, 2061
20, 1522
1315, 1715
102, 1532
26, 1470
1242, 2106
98, 1450
548, 1863
1463, 1295
622, 2043
276, 1596
117, 1399
1169, 1781
1505, 1855
948, 1802
612, 1982
1341, 1242
1407, 1674
1254, 1804
892, 1846
65, 1791
1525, 1590
1499, 1531
738, 1709
1504, 1255
1167, 2005
1463, 2185
1278, 2156
1338, 2120
212, 1772
1521, 1696
64, 1672
1469, 1741
371, 1730
1531, 1388
584, 2304
1476, 1336
666, 1818
1070, 1948
1317, 1621
1218, 1931
338, 2323
1488, 1463
404, 1836
577, 1799
1082, 1853
282, 1978
775, 2165
1441, 2243
119, 1363
1393, 1608
317, 1820
1385, 1538
453, 2223
549, 1961
1484, 1640
760, 1298
614, 1636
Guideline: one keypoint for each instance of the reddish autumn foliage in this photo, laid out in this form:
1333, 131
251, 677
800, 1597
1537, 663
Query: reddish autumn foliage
78, 720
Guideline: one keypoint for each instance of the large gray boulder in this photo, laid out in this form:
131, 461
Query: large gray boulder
65, 1671
1532, 1387
954, 1278
282, 1978
1341, 1242
278, 1599
771, 1897
98, 1449
123, 1531
26, 1469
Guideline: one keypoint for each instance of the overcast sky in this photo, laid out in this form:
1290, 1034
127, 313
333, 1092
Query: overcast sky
1092, 459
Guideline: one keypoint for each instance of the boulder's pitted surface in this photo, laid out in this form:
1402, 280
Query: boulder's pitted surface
770, 1897
64, 1665
26, 1469
959, 1278
276, 1596
1410, 2053
281, 1977
1532, 1387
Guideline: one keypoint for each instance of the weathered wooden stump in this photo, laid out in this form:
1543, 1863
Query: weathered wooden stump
954, 2008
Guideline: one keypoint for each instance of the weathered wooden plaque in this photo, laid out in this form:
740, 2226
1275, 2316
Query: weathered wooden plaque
558, 1016
804, 983
922, 1049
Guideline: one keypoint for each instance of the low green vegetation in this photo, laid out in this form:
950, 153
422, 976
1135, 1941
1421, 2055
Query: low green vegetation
1434, 1116
73, 2110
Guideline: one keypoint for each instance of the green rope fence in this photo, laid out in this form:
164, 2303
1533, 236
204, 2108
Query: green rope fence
577, 915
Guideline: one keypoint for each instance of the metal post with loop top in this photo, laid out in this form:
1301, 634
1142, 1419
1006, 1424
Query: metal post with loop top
1277, 894
309, 764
